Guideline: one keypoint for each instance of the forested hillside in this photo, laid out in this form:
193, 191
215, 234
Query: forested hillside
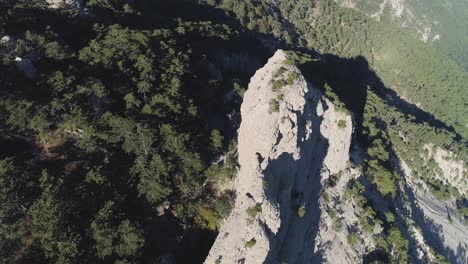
442, 24
118, 121
418, 72
117, 124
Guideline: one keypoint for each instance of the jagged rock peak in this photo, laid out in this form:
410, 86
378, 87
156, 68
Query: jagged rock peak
290, 140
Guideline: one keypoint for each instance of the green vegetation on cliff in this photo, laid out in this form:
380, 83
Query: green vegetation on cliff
420, 73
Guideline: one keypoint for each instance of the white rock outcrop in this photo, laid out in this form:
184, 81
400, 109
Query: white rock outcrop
290, 140
56, 4
398, 7
452, 171
404, 12
439, 220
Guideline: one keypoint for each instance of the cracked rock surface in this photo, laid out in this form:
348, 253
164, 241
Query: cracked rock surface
285, 154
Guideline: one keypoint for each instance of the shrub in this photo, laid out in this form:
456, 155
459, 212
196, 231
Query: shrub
369, 219
280, 72
366, 224
333, 97
238, 89
383, 178
289, 62
335, 218
390, 217
342, 124
230, 165
223, 205
216, 140
219, 173
265, 184
254, 210
274, 105
463, 211
332, 213
353, 239
292, 77
280, 97
441, 190
277, 85
333, 179
301, 211
251, 243
398, 245
214, 173
326, 197
354, 192
207, 218
295, 57
439, 258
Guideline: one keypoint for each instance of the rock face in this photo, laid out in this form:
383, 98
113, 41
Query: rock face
440, 224
291, 140
451, 170
64, 3
291, 205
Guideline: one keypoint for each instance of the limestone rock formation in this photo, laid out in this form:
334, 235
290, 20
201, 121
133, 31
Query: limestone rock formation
291, 140
64, 3
439, 222
404, 12
295, 170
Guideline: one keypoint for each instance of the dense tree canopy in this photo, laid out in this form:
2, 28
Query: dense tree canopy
115, 127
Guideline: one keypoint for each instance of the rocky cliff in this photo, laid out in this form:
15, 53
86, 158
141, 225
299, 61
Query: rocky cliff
291, 140
64, 3
300, 199
438, 220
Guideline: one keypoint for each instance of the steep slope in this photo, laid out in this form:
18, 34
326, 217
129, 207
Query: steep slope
438, 219
114, 133
286, 153
441, 23
65, 3
405, 13
298, 189
420, 73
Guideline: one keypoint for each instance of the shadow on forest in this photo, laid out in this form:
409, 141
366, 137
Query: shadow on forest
350, 79
11, 146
